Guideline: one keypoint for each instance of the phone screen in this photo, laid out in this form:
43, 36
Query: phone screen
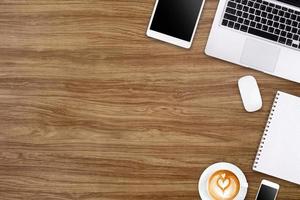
176, 18
266, 193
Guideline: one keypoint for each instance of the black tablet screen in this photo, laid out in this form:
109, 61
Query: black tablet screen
176, 18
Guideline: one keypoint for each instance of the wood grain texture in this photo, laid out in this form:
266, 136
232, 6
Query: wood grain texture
93, 109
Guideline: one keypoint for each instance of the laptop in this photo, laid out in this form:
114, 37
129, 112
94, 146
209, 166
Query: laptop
258, 34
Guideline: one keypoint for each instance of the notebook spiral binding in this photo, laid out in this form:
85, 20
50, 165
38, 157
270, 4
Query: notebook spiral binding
264, 137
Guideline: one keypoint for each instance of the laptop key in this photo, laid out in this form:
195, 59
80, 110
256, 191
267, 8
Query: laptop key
257, 12
259, 26
288, 28
246, 22
296, 37
282, 20
224, 22
289, 42
230, 17
246, 9
251, 17
265, 3
244, 2
262, 34
245, 15
295, 24
231, 4
282, 40
275, 11
237, 26
270, 23
294, 30
239, 7
276, 18
287, 15
283, 33
270, 16
230, 24
230, 11
276, 31
271, 30
281, 13
265, 28
243, 28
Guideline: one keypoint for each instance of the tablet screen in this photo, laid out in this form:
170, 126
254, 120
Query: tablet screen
176, 18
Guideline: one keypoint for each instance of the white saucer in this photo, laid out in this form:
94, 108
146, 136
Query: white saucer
202, 185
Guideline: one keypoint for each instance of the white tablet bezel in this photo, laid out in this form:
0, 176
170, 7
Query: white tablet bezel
171, 39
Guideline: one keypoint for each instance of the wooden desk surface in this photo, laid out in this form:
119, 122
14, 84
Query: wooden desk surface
93, 109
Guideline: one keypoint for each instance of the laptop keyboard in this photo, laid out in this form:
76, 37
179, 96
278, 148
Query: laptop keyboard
264, 19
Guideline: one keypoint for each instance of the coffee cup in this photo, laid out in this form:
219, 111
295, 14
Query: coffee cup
222, 181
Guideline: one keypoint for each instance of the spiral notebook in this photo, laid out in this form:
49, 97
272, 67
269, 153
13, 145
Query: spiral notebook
279, 151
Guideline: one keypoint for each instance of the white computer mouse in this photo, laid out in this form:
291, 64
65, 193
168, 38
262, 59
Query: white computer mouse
250, 93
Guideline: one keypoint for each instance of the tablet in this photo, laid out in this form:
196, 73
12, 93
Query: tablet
175, 21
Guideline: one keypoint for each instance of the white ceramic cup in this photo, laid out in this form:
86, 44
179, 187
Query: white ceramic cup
203, 181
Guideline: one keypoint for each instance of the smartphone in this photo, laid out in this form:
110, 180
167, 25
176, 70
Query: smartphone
267, 190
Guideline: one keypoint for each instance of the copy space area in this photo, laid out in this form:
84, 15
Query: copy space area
92, 109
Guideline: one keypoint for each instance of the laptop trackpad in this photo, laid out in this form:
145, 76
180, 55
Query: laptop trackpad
260, 55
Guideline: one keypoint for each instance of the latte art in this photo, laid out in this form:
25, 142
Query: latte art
223, 185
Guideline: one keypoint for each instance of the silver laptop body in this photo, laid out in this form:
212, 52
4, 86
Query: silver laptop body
266, 42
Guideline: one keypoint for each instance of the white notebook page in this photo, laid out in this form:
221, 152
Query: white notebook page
279, 151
